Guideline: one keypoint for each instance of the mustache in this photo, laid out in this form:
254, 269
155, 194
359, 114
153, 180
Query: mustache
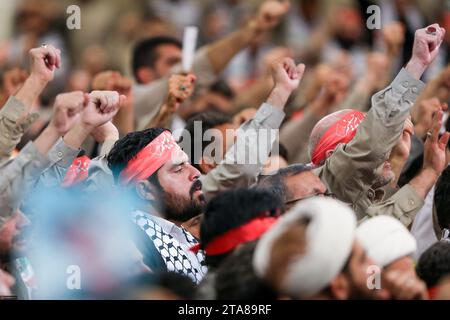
197, 185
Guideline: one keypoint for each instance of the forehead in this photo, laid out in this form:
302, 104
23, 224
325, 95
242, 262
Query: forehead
405, 263
177, 158
302, 178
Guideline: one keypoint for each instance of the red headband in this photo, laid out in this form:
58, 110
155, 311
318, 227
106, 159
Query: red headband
343, 131
150, 159
243, 234
78, 172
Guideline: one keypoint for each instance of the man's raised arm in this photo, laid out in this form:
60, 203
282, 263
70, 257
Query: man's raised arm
351, 171
256, 137
15, 116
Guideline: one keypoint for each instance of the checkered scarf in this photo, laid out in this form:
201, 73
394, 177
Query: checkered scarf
174, 255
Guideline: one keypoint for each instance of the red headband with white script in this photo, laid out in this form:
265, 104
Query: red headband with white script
343, 131
243, 234
150, 159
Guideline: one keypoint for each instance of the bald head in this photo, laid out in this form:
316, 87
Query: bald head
332, 130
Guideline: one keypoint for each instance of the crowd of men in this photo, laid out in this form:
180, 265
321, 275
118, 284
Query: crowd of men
326, 179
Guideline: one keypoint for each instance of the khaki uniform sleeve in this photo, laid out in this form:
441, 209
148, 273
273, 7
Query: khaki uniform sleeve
12, 126
245, 160
350, 171
17, 177
403, 205
61, 157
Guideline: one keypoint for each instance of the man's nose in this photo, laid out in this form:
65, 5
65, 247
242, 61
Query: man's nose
194, 174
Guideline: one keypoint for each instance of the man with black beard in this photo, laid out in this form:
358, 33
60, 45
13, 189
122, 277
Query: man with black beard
169, 191
153, 167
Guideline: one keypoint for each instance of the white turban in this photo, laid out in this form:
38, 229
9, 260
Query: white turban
385, 240
329, 237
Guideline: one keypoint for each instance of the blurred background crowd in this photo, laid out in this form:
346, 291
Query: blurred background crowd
346, 64
314, 31
319, 33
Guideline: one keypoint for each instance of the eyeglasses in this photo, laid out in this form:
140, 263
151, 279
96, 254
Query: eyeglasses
326, 194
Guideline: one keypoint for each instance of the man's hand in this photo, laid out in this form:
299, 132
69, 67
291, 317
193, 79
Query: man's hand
286, 76
423, 115
181, 87
404, 286
102, 107
44, 61
332, 93
67, 109
274, 55
434, 149
403, 147
335, 88
66, 115
427, 42
270, 14
400, 152
112, 81
443, 79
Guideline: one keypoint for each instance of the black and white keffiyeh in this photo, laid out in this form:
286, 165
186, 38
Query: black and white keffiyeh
172, 243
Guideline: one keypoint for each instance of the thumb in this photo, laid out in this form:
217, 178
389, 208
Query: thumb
122, 99
301, 70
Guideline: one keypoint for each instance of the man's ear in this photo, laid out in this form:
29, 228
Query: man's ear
340, 287
146, 190
145, 75
206, 164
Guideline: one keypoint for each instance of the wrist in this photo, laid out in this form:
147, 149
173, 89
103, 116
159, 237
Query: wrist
108, 135
279, 96
430, 172
37, 81
282, 90
47, 139
77, 135
416, 68
87, 127
52, 132
30, 91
